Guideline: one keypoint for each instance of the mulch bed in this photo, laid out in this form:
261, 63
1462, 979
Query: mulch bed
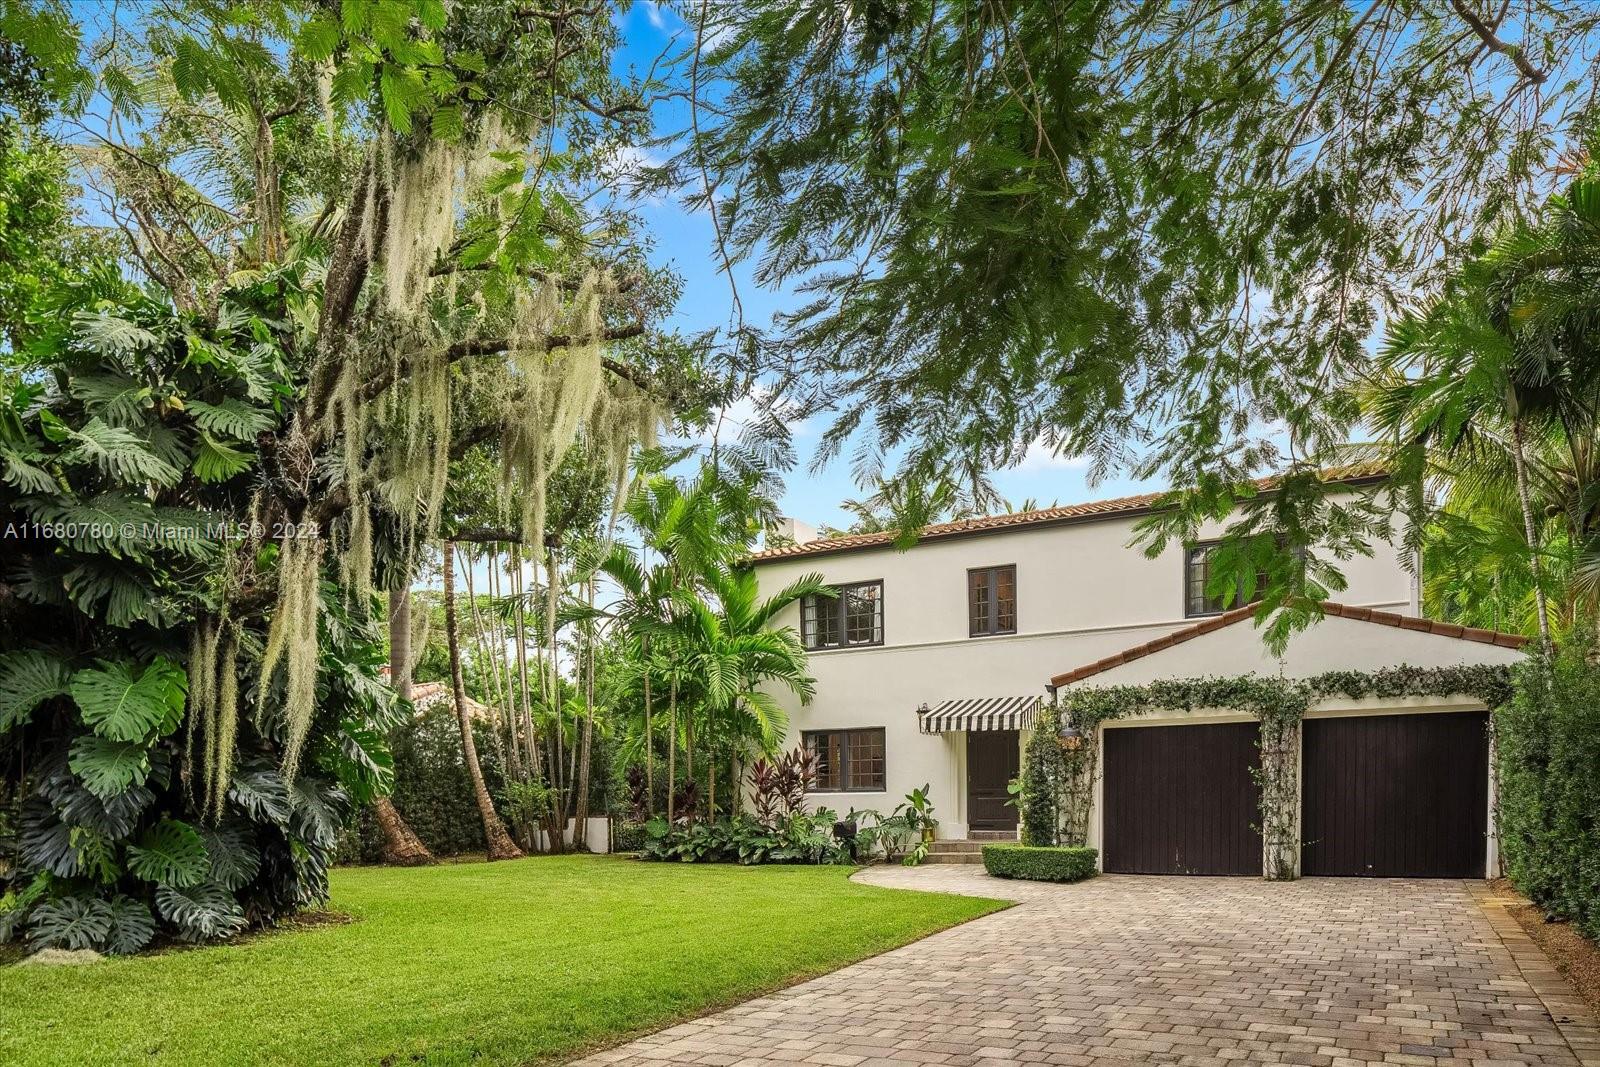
1575, 956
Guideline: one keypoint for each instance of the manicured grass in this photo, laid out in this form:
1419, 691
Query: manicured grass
489, 963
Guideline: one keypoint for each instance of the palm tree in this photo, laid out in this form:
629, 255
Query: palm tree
733, 651
499, 843
1494, 389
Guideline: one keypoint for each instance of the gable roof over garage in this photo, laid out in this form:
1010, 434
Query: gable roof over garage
1347, 638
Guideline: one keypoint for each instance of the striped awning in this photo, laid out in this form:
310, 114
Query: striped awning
979, 713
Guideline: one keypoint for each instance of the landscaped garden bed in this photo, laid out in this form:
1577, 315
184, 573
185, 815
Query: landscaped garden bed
1040, 864
504, 963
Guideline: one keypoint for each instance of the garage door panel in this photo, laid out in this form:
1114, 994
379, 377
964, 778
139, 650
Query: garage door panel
1395, 795
1181, 799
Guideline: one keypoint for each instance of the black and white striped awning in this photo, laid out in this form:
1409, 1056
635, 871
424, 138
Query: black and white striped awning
979, 713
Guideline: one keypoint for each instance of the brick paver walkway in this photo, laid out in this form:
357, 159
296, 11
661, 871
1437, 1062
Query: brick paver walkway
1201, 971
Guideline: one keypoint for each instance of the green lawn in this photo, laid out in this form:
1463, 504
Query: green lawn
488, 963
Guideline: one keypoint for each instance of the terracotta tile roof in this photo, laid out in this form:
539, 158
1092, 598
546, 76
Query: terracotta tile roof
1228, 618
1097, 509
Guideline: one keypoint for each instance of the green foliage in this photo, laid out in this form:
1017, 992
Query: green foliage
171, 853
1283, 699
1040, 863
124, 703
1042, 770
797, 838
431, 787
27, 679
1547, 750
72, 923
200, 912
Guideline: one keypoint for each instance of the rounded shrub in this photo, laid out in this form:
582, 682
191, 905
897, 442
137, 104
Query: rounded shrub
1040, 864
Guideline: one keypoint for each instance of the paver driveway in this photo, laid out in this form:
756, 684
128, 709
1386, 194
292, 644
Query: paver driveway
1196, 971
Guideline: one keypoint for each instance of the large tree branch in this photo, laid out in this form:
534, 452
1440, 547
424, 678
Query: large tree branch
499, 345
1491, 40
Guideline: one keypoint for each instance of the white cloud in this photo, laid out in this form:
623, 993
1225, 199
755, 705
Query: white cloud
652, 11
1041, 457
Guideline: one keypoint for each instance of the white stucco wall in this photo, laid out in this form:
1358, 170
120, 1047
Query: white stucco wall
1333, 644
1082, 594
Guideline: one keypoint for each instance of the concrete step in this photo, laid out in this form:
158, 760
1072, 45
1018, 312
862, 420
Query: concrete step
954, 857
956, 846
992, 835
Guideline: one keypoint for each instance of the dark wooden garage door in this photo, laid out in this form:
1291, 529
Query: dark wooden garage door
1403, 796
1181, 799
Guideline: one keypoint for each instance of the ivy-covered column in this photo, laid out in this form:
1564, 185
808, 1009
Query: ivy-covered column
1279, 779
1080, 763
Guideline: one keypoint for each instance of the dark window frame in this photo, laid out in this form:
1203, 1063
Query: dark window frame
1207, 612
845, 733
837, 604
992, 608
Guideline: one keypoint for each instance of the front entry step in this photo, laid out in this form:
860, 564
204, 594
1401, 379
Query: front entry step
958, 851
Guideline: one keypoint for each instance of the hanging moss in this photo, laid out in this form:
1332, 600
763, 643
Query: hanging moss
292, 640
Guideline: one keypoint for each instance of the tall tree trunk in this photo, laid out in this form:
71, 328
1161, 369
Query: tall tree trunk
558, 815
530, 736
488, 672
580, 830
401, 846
649, 734
1525, 498
552, 632
672, 750
499, 843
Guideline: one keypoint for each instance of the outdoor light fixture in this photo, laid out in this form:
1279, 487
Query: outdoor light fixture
1071, 736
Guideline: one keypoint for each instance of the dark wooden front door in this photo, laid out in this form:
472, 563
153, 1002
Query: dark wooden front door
1404, 796
1181, 799
993, 759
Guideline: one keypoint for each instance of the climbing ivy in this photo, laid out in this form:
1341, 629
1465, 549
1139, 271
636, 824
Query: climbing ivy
1279, 704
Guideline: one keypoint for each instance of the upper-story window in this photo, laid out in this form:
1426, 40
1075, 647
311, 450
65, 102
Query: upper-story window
852, 619
992, 600
1197, 576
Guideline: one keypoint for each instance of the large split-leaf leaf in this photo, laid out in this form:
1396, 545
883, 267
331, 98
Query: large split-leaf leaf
46, 842
119, 453
235, 859
132, 926
262, 793
71, 923
125, 703
170, 853
201, 912
232, 418
28, 679
108, 767
217, 461
115, 816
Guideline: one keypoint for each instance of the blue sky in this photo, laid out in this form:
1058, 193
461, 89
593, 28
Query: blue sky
686, 242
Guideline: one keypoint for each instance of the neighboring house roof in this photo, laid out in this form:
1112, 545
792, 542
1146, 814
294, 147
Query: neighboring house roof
426, 694
1067, 513
1228, 618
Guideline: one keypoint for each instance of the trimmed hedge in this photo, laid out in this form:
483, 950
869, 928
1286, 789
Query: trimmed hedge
1547, 743
1040, 864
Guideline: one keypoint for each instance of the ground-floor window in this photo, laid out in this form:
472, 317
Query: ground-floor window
848, 761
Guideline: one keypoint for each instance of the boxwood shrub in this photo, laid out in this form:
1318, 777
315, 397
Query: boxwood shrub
1040, 864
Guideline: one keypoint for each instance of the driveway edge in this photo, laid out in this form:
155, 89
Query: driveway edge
1578, 1028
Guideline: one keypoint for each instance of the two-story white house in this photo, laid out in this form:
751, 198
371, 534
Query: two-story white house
932, 662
